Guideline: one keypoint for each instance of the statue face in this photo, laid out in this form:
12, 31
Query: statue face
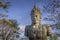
36, 18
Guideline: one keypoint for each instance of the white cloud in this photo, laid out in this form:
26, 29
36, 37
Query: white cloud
22, 27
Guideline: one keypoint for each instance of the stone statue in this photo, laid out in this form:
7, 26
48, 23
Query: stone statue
36, 31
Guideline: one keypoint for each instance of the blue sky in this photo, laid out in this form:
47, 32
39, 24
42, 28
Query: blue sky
20, 10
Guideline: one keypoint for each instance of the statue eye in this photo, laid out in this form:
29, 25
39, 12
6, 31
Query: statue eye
36, 15
34, 23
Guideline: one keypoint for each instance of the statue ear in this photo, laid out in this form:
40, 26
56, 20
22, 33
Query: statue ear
48, 31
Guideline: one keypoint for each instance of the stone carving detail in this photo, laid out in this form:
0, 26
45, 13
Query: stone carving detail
36, 31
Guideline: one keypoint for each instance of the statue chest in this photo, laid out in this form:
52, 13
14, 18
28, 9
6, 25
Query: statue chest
37, 32
40, 30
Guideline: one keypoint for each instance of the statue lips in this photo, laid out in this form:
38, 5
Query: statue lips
37, 31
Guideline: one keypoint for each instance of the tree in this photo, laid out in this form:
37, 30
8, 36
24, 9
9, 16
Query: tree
14, 25
53, 9
9, 27
4, 5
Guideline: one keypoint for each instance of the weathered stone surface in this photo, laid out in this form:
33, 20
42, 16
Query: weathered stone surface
40, 33
37, 31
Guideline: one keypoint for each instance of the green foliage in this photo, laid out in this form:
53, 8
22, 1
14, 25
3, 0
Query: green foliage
4, 5
6, 26
10, 25
1, 4
14, 24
